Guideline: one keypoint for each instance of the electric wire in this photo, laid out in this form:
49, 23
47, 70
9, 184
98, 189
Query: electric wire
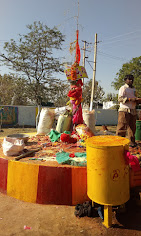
108, 39
89, 64
111, 56
122, 40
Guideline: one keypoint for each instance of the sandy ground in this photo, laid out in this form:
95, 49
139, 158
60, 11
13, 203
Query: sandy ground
7, 131
59, 220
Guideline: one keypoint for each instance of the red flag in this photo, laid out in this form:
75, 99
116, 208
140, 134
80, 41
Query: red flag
77, 48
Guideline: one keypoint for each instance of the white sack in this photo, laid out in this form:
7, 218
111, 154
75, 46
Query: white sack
89, 119
46, 120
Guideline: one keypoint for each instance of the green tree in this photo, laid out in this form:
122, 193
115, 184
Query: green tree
13, 90
6, 89
98, 94
59, 93
132, 67
55, 93
111, 97
32, 56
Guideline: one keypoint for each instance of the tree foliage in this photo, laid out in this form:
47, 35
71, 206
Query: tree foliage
111, 97
59, 94
33, 57
55, 93
13, 90
98, 94
134, 68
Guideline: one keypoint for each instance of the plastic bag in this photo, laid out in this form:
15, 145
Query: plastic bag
12, 146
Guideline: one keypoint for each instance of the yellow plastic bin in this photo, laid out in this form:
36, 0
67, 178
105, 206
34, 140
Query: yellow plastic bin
107, 172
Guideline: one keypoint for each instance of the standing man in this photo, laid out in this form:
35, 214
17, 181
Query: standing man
127, 110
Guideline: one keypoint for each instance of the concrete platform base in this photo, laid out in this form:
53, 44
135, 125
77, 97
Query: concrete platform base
43, 182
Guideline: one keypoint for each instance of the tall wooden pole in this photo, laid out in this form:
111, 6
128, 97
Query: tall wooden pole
94, 74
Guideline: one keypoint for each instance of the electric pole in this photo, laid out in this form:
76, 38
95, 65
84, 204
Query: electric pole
84, 57
84, 50
94, 73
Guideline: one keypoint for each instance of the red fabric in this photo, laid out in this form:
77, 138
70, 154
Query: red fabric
133, 161
79, 83
77, 113
72, 140
67, 139
76, 92
72, 155
64, 137
73, 132
77, 48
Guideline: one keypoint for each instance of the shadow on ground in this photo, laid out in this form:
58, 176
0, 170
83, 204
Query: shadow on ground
131, 219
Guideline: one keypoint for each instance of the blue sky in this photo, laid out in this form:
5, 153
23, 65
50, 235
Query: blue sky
116, 22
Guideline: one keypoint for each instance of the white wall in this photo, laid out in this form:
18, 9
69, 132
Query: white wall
107, 105
27, 115
106, 117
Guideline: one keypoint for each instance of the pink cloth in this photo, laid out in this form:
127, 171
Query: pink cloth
77, 113
132, 161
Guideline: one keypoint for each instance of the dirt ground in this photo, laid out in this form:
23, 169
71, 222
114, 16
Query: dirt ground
6, 131
59, 220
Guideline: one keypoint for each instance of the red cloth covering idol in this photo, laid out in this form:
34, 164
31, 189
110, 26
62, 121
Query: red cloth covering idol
75, 95
77, 113
74, 75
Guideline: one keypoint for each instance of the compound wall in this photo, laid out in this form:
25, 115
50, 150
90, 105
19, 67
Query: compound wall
26, 115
